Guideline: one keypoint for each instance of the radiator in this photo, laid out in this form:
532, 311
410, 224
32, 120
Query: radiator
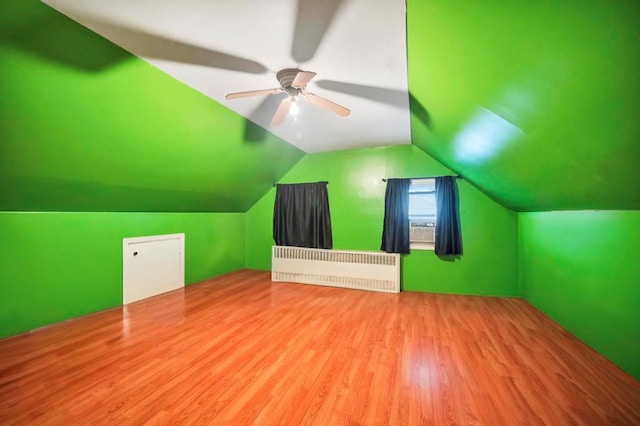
337, 268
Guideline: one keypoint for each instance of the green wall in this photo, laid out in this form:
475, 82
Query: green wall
523, 94
356, 198
86, 126
581, 268
61, 265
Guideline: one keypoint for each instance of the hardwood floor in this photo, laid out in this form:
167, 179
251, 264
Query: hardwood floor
240, 349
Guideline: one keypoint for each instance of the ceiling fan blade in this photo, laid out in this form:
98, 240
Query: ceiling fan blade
327, 104
255, 129
282, 111
237, 95
312, 21
154, 46
302, 78
263, 113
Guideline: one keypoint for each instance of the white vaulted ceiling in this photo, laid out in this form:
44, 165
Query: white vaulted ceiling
356, 47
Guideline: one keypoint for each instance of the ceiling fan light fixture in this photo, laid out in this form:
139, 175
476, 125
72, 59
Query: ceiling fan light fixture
293, 82
294, 109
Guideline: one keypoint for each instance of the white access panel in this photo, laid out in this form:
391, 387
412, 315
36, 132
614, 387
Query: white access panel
151, 266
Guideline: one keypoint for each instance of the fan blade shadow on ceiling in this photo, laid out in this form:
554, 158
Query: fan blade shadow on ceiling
313, 18
394, 97
383, 95
255, 128
155, 46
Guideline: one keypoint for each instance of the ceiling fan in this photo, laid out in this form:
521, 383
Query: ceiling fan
293, 82
312, 21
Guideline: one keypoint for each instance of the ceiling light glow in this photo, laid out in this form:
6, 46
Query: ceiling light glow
293, 109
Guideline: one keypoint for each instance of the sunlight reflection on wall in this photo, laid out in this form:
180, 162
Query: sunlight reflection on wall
484, 136
517, 110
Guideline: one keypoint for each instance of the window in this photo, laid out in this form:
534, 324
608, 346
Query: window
422, 213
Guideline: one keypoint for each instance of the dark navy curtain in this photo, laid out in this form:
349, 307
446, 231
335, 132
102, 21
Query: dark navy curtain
301, 216
395, 231
448, 237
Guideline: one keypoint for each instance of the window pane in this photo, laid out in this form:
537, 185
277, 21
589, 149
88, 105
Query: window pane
422, 201
422, 206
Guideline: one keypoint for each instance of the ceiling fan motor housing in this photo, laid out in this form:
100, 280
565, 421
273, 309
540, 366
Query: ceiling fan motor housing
286, 77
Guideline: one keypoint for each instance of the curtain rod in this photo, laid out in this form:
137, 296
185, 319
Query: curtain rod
276, 184
430, 177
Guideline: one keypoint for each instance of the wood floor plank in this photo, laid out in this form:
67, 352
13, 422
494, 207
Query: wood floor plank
240, 349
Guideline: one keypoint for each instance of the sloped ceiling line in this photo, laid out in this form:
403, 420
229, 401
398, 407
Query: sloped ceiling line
244, 43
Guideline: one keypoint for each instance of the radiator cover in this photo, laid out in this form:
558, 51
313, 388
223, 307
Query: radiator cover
337, 268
